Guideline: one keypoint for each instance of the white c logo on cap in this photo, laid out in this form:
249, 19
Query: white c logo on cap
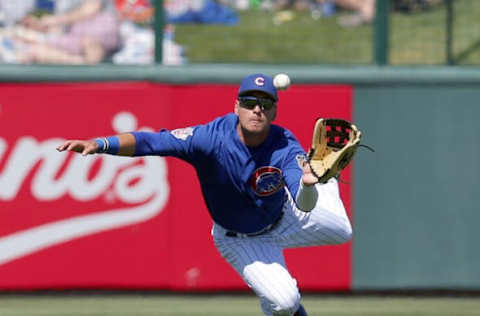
259, 81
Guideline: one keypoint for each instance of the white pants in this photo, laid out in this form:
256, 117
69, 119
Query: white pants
259, 260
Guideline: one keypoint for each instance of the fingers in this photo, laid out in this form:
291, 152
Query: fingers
308, 177
84, 147
71, 145
64, 146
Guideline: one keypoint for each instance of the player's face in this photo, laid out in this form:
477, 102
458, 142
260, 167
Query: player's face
255, 112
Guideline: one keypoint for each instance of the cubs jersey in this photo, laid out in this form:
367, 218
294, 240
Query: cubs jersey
243, 187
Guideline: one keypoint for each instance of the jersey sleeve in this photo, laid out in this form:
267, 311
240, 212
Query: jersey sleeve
292, 170
189, 144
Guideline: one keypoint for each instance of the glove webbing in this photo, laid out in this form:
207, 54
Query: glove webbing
338, 132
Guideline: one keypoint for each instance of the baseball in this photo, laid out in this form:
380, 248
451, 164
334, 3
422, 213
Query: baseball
281, 81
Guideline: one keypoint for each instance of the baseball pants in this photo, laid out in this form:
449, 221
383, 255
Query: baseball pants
259, 260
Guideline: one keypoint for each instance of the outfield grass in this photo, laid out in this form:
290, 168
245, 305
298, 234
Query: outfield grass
256, 38
157, 305
416, 39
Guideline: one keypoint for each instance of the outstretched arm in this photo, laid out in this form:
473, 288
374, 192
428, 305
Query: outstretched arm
307, 195
122, 145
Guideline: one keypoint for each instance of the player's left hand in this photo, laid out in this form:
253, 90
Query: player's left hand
308, 178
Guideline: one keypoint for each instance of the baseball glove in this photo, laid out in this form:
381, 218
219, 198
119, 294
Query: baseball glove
334, 143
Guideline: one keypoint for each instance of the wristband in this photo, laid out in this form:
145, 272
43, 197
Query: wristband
109, 145
113, 145
102, 145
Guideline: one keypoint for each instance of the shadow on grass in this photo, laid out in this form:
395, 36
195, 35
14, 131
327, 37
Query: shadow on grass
463, 55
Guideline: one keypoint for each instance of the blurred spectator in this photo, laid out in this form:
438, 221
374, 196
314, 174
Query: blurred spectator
299, 5
138, 37
12, 12
137, 11
240, 4
409, 6
365, 9
77, 32
281, 5
199, 11
364, 12
322, 8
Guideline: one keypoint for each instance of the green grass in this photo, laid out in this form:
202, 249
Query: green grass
258, 39
415, 39
216, 305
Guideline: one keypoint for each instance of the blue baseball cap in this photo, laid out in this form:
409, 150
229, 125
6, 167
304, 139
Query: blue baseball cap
258, 82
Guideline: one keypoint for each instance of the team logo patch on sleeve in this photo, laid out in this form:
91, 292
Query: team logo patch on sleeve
266, 181
301, 159
182, 133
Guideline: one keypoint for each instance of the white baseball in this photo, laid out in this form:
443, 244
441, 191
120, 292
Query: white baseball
281, 81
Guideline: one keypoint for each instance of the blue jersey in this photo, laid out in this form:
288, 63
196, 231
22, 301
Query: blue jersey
243, 187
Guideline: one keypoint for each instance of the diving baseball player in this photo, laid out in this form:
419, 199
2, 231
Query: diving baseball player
259, 190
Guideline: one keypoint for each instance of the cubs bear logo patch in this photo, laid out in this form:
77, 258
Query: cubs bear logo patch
266, 181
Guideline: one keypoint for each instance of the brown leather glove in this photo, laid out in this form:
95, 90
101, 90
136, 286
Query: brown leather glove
334, 144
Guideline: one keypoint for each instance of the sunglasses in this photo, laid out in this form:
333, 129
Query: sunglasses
250, 102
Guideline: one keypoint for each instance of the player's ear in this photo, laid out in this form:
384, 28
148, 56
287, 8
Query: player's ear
235, 109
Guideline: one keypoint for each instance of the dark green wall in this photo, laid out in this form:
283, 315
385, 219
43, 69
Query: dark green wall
417, 198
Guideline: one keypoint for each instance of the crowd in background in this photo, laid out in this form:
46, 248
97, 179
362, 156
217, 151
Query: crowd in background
82, 32
120, 31
358, 12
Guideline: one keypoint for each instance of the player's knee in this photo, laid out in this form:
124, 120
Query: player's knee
345, 234
287, 304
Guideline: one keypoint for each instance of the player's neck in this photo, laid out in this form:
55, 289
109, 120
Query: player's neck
252, 139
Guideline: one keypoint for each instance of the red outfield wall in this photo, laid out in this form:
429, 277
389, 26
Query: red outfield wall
68, 221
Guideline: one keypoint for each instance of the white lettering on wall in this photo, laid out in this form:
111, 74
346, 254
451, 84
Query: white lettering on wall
141, 183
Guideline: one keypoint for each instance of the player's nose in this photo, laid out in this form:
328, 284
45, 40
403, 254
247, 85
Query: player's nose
257, 109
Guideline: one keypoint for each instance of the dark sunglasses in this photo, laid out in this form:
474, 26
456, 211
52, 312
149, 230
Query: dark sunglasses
250, 102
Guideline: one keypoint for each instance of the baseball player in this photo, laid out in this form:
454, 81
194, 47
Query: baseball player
258, 188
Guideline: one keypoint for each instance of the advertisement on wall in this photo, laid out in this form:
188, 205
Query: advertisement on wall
108, 222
